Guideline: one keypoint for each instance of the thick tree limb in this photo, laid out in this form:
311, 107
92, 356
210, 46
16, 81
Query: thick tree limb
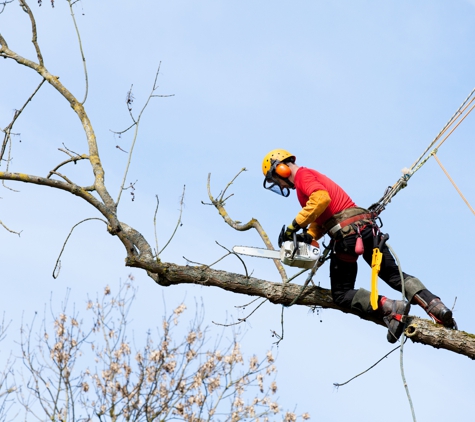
418, 330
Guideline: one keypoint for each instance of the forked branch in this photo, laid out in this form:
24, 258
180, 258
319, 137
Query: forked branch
252, 224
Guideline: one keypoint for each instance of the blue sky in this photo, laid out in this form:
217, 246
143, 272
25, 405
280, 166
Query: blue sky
356, 90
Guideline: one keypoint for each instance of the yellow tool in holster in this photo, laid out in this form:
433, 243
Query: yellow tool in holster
375, 268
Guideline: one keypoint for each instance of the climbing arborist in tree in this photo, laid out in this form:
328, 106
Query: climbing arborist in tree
327, 209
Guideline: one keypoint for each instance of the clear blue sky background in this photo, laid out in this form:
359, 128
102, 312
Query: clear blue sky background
355, 89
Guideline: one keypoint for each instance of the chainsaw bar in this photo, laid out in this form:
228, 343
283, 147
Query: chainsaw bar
259, 252
300, 254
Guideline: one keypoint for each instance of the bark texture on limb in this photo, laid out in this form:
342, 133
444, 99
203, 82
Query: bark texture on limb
418, 330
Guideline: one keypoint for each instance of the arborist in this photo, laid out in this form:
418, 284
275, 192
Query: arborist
327, 209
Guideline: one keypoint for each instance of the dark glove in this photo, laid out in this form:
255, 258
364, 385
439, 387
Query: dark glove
288, 233
304, 237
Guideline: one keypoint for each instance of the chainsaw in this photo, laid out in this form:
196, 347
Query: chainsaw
292, 253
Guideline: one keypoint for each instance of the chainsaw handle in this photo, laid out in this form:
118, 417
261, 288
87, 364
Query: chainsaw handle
296, 244
281, 236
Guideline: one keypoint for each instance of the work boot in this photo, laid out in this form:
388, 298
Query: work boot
437, 311
394, 313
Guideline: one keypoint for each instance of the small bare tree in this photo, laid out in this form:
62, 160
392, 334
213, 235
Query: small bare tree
81, 369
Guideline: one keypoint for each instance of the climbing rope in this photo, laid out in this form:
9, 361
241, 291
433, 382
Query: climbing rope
458, 117
453, 183
402, 339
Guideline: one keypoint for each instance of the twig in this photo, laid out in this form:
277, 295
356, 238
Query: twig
250, 303
71, 160
4, 4
8, 229
281, 336
364, 372
8, 167
70, 152
57, 267
178, 222
196, 263
34, 37
298, 274
136, 124
17, 113
235, 254
241, 320
60, 175
123, 131
206, 266
155, 224
82, 52
230, 183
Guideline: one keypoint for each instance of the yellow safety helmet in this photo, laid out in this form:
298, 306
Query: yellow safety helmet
275, 155
276, 172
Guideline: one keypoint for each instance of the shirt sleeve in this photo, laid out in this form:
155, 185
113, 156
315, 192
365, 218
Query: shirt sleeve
317, 203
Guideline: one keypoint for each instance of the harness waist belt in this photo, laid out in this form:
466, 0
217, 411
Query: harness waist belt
349, 221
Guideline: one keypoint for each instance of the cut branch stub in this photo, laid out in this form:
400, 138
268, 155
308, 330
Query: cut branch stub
426, 332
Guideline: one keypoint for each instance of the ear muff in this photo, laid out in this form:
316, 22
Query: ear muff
283, 170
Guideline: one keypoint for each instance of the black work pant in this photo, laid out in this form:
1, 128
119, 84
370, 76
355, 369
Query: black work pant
344, 268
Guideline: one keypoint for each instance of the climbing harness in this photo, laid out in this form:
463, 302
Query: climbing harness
354, 225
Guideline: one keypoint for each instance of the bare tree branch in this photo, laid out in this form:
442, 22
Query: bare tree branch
136, 124
57, 266
82, 115
34, 34
80, 48
71, 160
4, 3
178, 224
253, 223
8, 229
8, 129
